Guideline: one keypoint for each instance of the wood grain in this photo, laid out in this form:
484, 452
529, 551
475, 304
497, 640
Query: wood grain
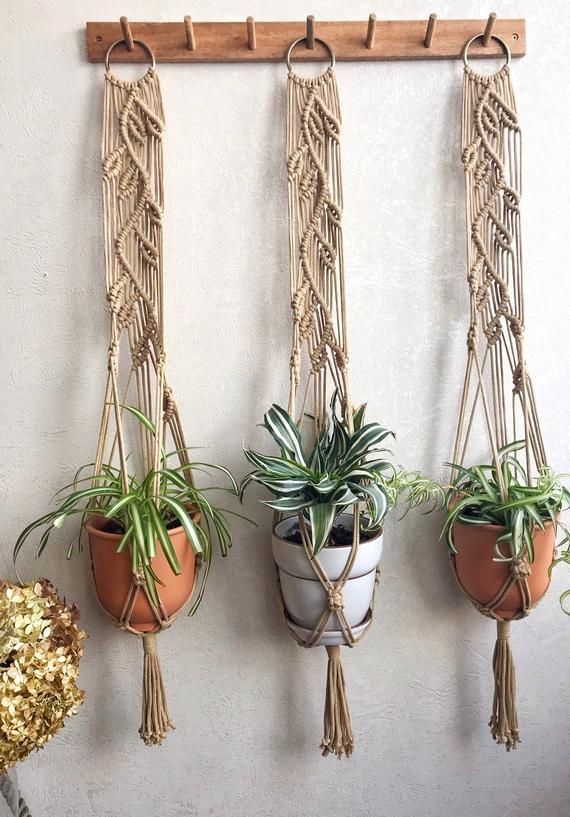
228, 42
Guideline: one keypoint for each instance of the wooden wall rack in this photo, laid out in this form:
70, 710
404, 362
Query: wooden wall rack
251, 41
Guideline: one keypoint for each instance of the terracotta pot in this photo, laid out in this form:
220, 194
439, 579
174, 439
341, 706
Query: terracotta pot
112, 574
482, 578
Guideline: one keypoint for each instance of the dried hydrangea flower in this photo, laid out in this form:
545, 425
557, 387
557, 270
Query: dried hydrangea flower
40, 648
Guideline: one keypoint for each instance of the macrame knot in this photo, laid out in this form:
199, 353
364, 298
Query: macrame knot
517, 379
469, 156
113, 355
315, 127
517, 326
482, 174
520, 569
168, 405
113, 162
341, 357
308, 183
149, 646
334, 213
512, 200
336, 599
295, 162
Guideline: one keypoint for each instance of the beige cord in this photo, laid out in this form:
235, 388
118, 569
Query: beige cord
491, 142
133, 124
319, 355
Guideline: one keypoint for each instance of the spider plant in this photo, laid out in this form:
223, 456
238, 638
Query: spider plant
342, 469
475, 498
142, 510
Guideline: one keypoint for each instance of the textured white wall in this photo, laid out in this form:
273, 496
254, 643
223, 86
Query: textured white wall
246, 700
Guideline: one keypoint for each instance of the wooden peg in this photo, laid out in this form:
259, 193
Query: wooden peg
430, 30
371, 33
127, 34
189, 28
251, 42
310, 31
489, 28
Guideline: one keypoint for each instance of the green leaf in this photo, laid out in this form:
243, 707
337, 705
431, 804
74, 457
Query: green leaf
284, 431
508, 449
363, 441
533, 513
138, 532
126, 539
221, 468
142, 418
322, 518
190, 528
487, 487
358, 417
376, 500
164, 538
277, 466
325, 485
120, 504
280, 485
288, 503
343, 496
150, 584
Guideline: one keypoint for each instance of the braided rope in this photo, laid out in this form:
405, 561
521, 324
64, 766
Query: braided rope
492, 162
319, 354
133, 199
491, 142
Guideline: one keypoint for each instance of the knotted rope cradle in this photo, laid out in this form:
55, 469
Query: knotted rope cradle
496, 377
133, 200
319, 354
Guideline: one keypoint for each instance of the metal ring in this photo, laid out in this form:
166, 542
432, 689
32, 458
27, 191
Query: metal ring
317, 40
470, 42
144, 45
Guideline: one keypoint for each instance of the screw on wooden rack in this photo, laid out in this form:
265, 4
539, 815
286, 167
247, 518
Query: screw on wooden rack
489, 28
190, 38
371, 33
251, 41
430, 30
310, 31
127, 34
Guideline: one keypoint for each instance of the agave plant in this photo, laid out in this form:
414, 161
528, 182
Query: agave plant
475, 498
341, 470
143, 510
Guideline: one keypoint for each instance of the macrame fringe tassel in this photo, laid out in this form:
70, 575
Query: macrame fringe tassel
504, 723
338, 737
156, 721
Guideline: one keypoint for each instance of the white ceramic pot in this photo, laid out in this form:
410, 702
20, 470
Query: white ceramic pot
303, 594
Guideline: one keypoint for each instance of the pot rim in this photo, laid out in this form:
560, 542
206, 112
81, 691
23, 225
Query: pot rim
305, 579
335, 548
89, 526
490, 527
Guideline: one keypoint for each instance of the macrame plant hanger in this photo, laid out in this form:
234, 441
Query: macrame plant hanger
133, 124
319, 355
496, 378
